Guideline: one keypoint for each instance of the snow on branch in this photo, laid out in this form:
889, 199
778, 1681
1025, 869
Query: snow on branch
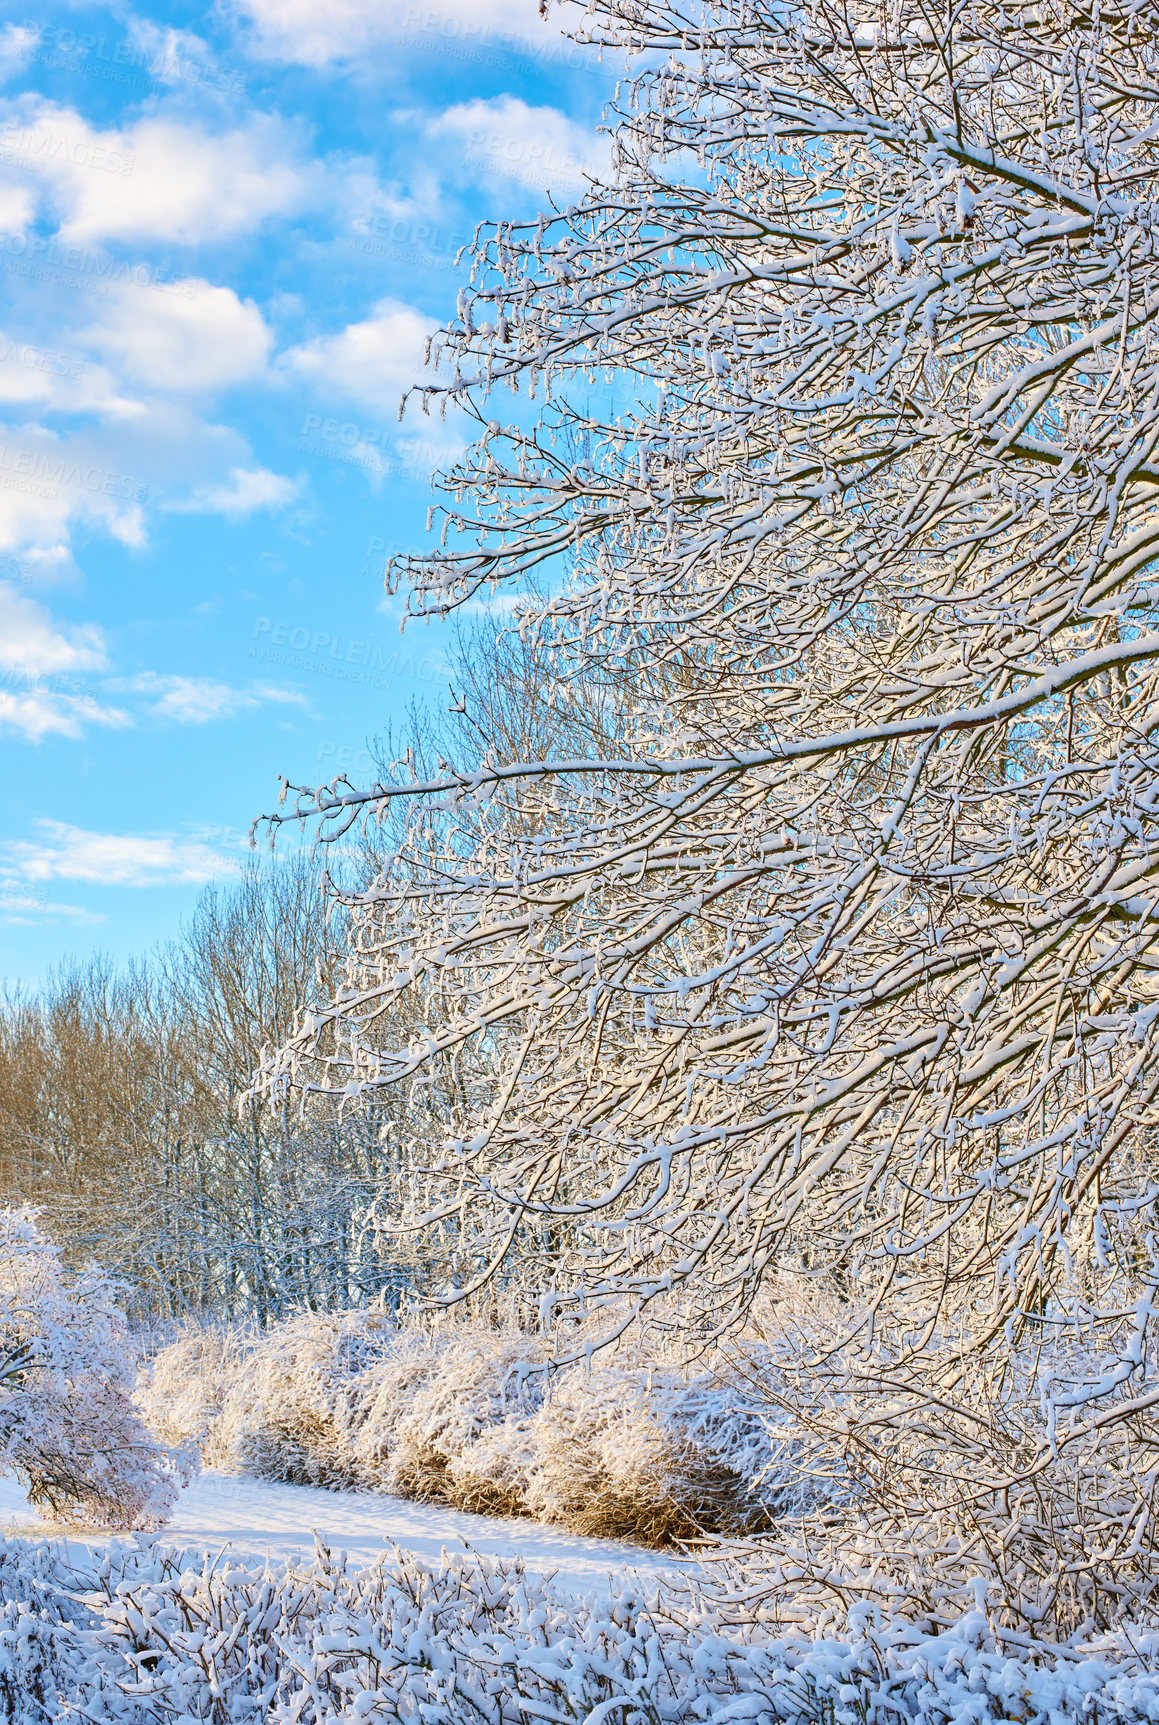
840, 957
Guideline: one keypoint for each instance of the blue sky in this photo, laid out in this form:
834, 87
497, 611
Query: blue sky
223, 239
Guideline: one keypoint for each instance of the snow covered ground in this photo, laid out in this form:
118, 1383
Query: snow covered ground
461, 1641
254, 1518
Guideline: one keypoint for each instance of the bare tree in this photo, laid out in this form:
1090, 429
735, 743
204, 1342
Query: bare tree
100, 1110
254, 958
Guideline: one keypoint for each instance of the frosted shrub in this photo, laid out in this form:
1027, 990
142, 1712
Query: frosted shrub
350, 1401
316, 1400
399, 1375
638, 1447
37, 1633
68, 1428
652, 1454
475, 1641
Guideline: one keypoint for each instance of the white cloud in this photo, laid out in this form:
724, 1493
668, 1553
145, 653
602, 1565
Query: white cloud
17, 207
180, 57
48, 481
41, 566
31, 645
310, 34
155, 346
57, 377
153, 450
115, 859
17, 42
246, 489
373, 361
157, 180
505, 138
21, 904
43, 663
197, 700
45, 712
193, 336
36, 654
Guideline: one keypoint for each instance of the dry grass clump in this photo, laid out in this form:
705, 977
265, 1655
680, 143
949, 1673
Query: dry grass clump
182, 1389
400, 1373
641, 1454
293, 1409
465, 1440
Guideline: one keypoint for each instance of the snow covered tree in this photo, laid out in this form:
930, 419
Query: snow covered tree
842, 962
68, 1428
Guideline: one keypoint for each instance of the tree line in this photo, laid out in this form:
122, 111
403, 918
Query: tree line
126, 1111
120, 1116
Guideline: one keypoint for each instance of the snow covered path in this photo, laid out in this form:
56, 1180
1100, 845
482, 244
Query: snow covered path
254, 1518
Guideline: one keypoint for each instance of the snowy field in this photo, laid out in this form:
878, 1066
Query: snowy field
255, 1519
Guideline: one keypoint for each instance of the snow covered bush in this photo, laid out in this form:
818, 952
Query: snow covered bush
640, 1447
354, 1400
38, 1627
144, 1639
399, 1376
465, 1438
655, 1454
68, 1427
296, 1396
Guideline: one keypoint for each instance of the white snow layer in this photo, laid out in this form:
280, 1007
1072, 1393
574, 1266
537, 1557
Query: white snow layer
254, 1519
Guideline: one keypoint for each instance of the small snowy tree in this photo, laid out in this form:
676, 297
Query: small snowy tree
843, 961
68, 1428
